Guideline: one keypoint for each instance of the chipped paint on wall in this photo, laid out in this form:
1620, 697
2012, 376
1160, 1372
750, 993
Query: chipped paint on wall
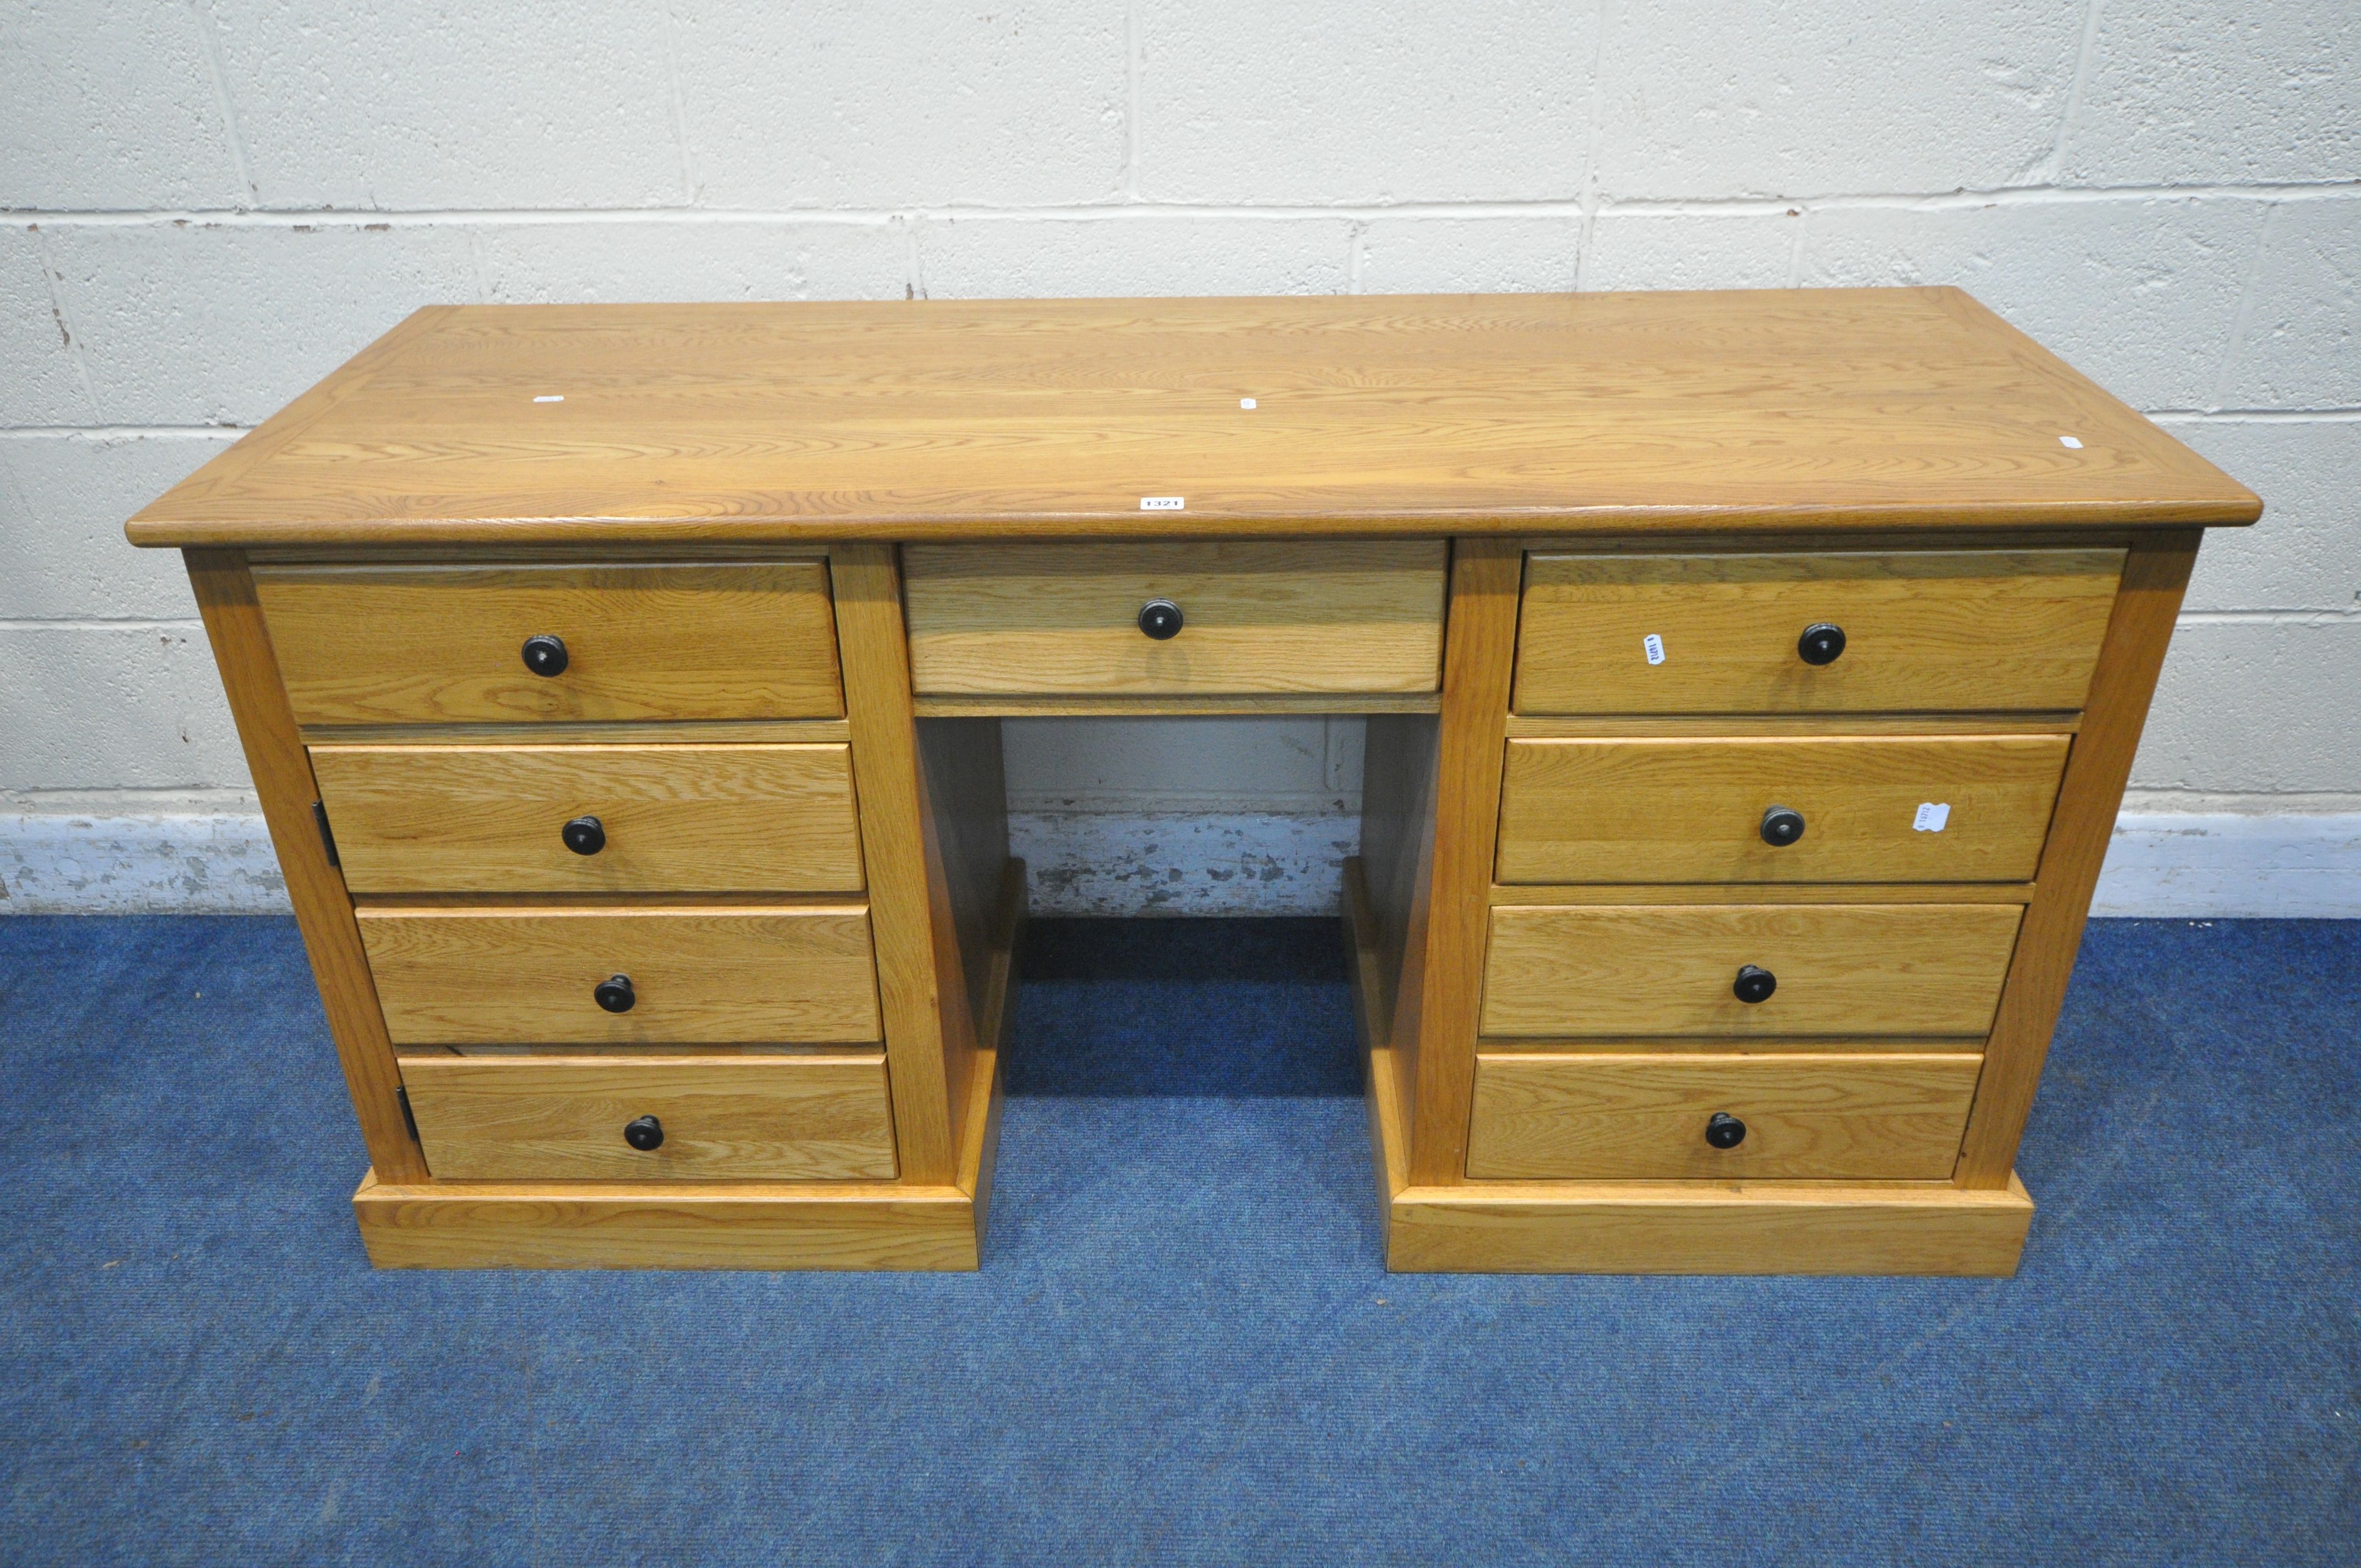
1237, 864
181, 864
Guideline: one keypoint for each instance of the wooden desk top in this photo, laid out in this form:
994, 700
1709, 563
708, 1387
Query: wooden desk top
1776, 410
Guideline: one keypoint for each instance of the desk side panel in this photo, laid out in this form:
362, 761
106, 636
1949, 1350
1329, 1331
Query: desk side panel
323, 910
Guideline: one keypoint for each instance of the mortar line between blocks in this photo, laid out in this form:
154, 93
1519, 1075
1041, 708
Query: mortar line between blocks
52, 281
210, 39
2245, 313
93, 623
2074, 92
676, 104
120, 432
1145, 210
1131, 102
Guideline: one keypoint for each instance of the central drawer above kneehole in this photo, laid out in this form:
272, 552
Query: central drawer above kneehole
529, 643
1175, 619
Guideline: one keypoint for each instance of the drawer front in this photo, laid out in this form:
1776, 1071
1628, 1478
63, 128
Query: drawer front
1924, 631
698, 976
736, 1119
1951, 808
446, 644
1064, 619
1643, 1117
1600, 972
654, 818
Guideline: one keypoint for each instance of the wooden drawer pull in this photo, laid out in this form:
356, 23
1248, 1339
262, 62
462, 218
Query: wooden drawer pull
1820, 643
1781, 826
616, 995
1160, 618
1754, 984
1723, 1130
545, 655
645, 1134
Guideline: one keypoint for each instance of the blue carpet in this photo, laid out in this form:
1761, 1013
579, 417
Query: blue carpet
1182, 1348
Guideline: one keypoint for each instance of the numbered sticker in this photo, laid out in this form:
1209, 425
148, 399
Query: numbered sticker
1655, 648
1162, 503
1932, 816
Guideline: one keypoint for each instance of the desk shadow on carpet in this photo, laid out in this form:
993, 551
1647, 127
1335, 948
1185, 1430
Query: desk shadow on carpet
1185, 1008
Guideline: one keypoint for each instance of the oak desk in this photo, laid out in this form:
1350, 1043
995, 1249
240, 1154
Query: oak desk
1752, 680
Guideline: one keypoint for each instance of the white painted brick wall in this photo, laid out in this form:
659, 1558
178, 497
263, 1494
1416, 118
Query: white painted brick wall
1701, 98
1316, 104
205, 205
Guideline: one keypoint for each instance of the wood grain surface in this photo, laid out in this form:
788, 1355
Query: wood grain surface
2154, 581
461, 976
1054, 418
666, 1224
1643, 1116
1436, 1000
1685, 1226
1924, 630
676, 819
223, 588
1689, 1227
1063, 619
1912, 970
997, 705
557, 1118
1798, 892
444, 644
1672, 811
930, 1034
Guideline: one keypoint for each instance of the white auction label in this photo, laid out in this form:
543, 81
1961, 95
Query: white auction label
1932, 816
1162, 503
1654, 646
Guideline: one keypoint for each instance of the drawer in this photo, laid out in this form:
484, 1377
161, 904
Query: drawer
1903, 808
686, 818
1604, 971
1064, 619
1643, 1117
728, 1119
446, 644
704, 976
1923, 631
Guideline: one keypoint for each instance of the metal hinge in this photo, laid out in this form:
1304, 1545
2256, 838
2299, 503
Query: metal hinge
328, 839
402, 1097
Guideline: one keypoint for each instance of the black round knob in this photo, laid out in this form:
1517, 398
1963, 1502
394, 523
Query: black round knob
545, 655
616, 995
1781, 826
1820, 643
1723, 1130
1160, 618
645, 1132
1754, 985
588, 835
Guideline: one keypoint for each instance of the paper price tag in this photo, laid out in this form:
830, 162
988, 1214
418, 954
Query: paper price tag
1932, 816
1654, 647
1162, 503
